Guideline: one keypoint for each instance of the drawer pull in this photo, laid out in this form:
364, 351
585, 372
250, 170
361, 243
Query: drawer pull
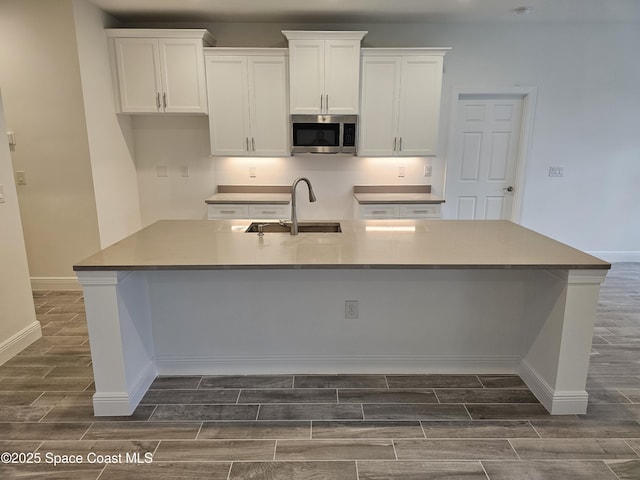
272, 212
421, 211
378, 212
228, 211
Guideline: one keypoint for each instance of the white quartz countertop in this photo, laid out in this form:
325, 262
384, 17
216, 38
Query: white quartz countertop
395, 197
429, 244
242, 197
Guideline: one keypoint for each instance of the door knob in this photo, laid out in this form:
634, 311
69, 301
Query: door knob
508, 189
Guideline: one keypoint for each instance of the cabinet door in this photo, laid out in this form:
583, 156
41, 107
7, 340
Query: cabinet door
183, 76
306, 73
420, 105
228, 105
379, 107
342, 77
268, 105
138, 63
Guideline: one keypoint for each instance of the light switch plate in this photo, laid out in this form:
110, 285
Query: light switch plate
556, 171
401, 171
21, 178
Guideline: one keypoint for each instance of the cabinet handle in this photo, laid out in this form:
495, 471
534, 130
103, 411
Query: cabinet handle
269, 212
378, 212
253, 144
326, 102
395, 141
400, 146
246, 142
321, 104
228, 212
158, 100
164, 99
421, 211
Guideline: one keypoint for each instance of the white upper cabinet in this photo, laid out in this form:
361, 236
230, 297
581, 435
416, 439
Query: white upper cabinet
247, 91
159, 71
324, 72
400, 103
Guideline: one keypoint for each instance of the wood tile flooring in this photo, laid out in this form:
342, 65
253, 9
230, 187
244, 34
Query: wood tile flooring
325, 427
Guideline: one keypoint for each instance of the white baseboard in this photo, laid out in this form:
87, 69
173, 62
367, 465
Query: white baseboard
617, 256
18, 342
55, 283
329, 364
124, 403
556, 402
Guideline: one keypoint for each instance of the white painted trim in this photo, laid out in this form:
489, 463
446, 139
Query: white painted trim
55, 283
18, 342
556, 402
530, 95
301, 364
586, 277
324, 34
381, 52
123, 403
618, 256
254, 51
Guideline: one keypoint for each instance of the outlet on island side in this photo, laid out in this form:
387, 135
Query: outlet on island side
351, 309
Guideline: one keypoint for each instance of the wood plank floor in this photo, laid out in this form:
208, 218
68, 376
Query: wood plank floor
323, 427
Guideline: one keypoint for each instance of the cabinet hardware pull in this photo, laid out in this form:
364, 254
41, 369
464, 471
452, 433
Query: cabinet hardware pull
326, 102
321, 105
164, 99
271, 212
158, 100
246, 141
421, 211
395, 141
378, 212
228, 211
253, 144
400, 146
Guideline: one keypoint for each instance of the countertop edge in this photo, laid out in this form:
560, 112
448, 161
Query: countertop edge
90, 268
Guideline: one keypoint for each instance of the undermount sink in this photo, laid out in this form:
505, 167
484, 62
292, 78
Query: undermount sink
303, 227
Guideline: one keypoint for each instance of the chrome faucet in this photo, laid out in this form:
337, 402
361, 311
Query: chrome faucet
312, 198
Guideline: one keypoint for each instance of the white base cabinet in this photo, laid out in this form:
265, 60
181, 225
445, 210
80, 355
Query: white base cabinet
247, 91
159, 71
402, 211
254, 210
400, 101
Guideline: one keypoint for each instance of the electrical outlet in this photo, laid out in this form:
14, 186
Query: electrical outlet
401, 171
252, 172
428, 170
351, 309
21, 178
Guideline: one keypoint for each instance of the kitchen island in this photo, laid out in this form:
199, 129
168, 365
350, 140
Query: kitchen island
190, 297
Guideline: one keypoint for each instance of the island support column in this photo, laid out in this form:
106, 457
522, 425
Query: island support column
122, 352
559, 315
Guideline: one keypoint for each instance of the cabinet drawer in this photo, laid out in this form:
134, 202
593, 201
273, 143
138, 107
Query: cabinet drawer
227, 211
269, 211
378, 211
431, 210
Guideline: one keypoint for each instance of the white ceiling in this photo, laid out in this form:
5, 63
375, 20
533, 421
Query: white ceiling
386, 11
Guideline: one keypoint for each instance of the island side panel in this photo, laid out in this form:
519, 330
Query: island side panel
122, 351
560, 314
293, 321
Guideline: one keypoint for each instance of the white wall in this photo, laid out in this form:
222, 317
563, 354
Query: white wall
588, 94
18, 327
40, 80
110, 136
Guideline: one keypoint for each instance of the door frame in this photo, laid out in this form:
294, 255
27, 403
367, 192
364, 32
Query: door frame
529, 96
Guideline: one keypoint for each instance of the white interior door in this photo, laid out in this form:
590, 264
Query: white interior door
481, 168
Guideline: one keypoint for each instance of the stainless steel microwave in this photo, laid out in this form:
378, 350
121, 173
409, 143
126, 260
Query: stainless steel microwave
324, 134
